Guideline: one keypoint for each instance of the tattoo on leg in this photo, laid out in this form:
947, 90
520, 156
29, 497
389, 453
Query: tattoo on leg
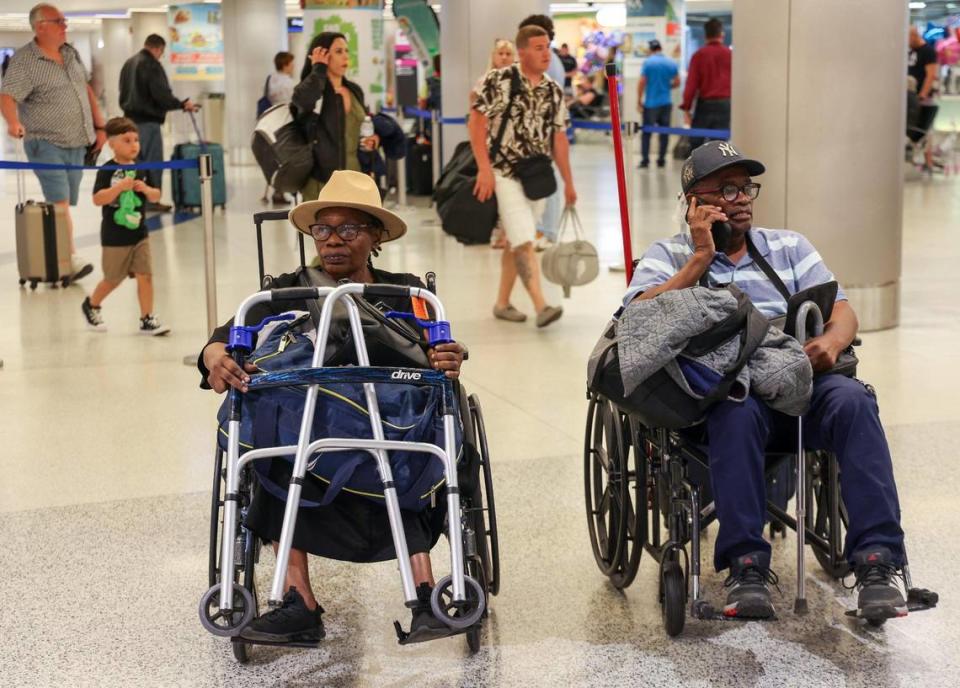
521, 259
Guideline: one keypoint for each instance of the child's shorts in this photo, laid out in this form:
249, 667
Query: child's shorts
126, 261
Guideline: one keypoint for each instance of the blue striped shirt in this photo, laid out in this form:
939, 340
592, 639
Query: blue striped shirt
791, 255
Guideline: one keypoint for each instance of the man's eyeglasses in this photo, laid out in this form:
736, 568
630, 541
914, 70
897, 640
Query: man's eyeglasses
731, 192
348, 232
60, 22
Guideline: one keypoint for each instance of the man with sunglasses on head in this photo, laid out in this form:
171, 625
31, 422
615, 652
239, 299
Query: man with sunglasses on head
843, 417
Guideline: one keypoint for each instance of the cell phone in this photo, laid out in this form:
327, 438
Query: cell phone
721, 231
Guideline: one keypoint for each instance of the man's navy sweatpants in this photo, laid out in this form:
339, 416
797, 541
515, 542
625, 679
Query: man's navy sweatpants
843, 418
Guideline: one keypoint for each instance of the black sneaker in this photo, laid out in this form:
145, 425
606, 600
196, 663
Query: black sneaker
291, 622
94, 319
749, 597
644, 164
424, 625
879, 595
151, 325
661, 163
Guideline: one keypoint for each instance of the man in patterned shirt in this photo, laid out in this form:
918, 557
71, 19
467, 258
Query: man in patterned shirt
536, 126
843, 416
46, 99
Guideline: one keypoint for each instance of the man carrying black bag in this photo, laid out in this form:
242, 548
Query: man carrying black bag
525, 108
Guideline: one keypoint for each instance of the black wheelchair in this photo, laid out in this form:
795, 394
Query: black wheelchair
647, 488
477, 515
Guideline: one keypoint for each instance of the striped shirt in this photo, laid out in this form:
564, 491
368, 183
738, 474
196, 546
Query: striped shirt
791, 255
52, 99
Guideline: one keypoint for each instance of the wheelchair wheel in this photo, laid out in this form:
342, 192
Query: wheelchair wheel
635, 533
458, 615
605, 486
488, 541
475, 569
826, 512
213, 567
222, 622
673, 597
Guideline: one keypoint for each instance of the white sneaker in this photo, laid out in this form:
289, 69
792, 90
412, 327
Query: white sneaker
542, 243
151, 325
93, 316
79, 268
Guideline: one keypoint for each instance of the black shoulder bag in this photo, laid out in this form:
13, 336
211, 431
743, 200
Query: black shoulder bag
535, 173
847, 361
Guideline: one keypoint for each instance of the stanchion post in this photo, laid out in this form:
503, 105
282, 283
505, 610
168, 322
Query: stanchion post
435, 145
402, 166
205, 164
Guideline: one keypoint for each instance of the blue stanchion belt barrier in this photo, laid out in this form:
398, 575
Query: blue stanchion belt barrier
165, 165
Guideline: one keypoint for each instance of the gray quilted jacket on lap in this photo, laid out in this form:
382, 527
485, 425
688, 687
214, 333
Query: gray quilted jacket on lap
653, 332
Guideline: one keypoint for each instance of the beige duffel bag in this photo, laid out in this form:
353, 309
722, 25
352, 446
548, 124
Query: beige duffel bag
571, 263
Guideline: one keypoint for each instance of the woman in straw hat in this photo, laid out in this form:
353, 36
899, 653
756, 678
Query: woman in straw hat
348, 223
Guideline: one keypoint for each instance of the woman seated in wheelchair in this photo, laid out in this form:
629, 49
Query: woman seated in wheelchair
348, 224
843, 415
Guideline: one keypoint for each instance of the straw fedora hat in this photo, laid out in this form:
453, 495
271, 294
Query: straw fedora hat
347, 189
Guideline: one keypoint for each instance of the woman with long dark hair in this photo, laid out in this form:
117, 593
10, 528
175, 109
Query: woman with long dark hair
330, 110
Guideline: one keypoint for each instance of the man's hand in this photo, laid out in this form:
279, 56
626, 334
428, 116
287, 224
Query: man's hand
101, 138
700, 218
687, 119
570, 194
485, 185
823, 352
16, 130
190, 106
448, 358
224, 371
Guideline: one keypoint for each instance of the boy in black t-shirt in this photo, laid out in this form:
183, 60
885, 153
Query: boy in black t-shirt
126, 247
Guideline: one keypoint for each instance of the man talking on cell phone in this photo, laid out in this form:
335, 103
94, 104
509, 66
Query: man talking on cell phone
770, 265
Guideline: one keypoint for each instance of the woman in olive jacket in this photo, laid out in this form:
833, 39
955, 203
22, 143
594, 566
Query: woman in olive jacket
330, 109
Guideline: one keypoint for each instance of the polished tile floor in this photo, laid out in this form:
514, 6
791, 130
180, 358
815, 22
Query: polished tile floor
106, 466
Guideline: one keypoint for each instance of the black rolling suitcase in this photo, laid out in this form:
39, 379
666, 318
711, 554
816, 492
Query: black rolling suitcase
419, 167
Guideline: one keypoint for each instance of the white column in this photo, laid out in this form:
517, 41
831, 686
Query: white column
253, 32
833, 149
117, 48
467, 32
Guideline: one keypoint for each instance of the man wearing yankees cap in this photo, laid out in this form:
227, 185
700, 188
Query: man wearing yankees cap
770, 265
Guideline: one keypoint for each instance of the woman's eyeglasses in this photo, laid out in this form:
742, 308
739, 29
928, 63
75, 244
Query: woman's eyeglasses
731, 192
347, 232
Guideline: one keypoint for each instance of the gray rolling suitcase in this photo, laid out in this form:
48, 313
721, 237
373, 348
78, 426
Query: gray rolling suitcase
43, 247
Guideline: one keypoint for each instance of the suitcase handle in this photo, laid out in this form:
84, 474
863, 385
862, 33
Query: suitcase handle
21, 182
196, 128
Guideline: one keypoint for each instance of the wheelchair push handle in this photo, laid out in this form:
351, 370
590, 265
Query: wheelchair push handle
808, 310
241, 336
438, 331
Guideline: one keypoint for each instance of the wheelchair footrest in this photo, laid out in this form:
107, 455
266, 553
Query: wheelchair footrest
426, 635
308, 644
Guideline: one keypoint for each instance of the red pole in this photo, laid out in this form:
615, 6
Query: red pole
614, 96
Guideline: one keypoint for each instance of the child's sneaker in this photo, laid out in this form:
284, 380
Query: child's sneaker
150, 325
94, 319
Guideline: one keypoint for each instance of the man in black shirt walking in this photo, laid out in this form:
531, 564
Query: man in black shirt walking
145, 97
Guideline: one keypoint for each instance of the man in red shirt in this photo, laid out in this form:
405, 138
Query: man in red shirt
709, 82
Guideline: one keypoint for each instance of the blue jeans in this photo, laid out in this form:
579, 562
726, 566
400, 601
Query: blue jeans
843, 418
655, 117
151, 150
550, 219
57, 185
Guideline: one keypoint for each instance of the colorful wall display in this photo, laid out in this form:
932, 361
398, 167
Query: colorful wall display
196, 42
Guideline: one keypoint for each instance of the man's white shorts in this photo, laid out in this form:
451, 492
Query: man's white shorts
518, 214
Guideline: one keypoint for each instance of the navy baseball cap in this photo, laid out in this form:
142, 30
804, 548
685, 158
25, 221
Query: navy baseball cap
654, 44
712, 157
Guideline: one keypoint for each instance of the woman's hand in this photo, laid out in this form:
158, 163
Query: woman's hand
224, 371
371, 143
448, 358
319, 56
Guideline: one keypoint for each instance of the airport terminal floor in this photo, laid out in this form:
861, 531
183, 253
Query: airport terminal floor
107, 464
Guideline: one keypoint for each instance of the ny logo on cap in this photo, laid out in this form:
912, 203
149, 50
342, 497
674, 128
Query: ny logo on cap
687, 172
727, 150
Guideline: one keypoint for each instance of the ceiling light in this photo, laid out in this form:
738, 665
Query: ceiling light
917, 5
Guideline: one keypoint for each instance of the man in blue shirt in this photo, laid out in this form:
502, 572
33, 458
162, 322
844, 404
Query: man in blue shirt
659, 76
843, 416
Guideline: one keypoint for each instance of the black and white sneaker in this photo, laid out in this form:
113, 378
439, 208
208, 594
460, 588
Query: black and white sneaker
749, 597
424, 625
93, 316
879, 595
293, 621
150, 325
